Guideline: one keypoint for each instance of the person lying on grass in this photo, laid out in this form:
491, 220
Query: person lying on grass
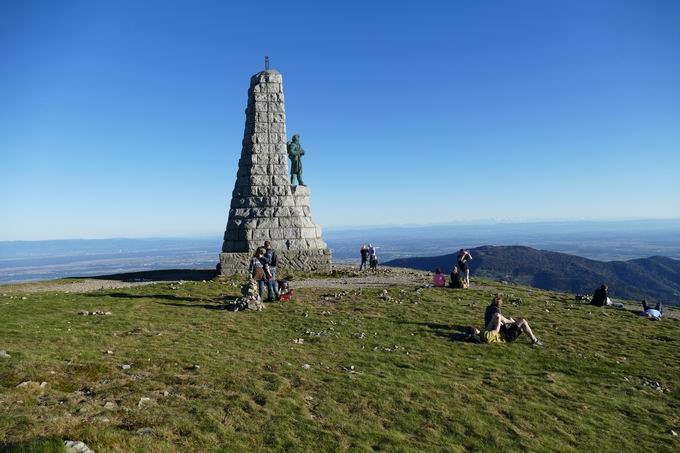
654, 314
499, 329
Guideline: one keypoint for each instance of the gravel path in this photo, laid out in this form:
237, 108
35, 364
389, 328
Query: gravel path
380, 279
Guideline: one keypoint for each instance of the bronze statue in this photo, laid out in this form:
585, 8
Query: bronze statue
295, 153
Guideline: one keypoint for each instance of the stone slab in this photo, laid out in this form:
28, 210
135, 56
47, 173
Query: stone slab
307, 260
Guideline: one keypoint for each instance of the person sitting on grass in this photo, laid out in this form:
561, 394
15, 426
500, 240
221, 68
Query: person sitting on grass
439, 279
654, 314
456, 279
499, 329
601, 298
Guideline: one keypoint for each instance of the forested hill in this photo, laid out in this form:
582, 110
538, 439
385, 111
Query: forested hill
655, 278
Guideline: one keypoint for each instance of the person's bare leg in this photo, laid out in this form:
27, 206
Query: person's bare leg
524, 325
505, 320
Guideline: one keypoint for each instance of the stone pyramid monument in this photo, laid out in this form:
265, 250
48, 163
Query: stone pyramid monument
264, 204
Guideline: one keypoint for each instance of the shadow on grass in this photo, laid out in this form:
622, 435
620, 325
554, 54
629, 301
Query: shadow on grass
147, 296
218, 303
223, 303
454, 332
164, 275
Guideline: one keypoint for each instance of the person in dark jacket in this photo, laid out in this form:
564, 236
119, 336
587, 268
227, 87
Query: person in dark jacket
271, 260
364, 257
600, 296
464, 257
456, 279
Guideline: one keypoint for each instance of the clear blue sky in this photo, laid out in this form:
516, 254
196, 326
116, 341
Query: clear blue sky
125, 118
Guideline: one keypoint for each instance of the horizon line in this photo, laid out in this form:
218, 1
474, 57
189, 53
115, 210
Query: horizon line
487, 222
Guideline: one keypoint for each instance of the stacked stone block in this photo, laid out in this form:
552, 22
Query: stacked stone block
264, 205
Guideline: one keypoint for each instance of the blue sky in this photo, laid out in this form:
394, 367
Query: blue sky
124, 119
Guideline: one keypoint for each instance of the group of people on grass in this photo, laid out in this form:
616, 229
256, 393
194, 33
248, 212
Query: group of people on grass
460, 273
498, 328
369, 257
601, 299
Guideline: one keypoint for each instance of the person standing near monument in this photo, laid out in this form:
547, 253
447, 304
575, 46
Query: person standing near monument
463, 258
257, 271
364, 257
272, 260
373, 257
295, 153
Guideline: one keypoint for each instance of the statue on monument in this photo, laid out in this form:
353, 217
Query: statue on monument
295, 153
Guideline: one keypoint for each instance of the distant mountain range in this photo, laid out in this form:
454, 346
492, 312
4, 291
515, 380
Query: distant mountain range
656, 278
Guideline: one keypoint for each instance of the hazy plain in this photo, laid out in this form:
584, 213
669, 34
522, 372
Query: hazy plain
605, 241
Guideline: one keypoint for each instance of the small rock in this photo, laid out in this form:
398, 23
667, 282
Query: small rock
108, 313
109, 352
24, 298
4, 355
306, 366
672, 433
110, 405
145, 430
143, 400
83, 313
43, 385
126, 366
298, 340
195, 367
166, 393
73, 446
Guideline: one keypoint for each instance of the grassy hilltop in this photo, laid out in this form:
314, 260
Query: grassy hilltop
372, 373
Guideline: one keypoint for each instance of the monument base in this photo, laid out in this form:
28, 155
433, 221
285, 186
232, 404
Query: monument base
298, 260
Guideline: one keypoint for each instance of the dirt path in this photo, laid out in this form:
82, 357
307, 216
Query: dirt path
367, 280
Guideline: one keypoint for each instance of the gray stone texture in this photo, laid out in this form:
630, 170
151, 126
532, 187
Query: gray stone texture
264, 205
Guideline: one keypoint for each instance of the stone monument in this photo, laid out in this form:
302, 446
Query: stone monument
264, 203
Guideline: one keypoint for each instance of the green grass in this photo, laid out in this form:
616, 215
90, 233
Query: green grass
411, 387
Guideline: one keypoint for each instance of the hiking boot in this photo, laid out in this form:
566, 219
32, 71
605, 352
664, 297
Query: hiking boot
537, 344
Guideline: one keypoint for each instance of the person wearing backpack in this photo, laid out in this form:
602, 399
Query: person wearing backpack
272, 261
256, 269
